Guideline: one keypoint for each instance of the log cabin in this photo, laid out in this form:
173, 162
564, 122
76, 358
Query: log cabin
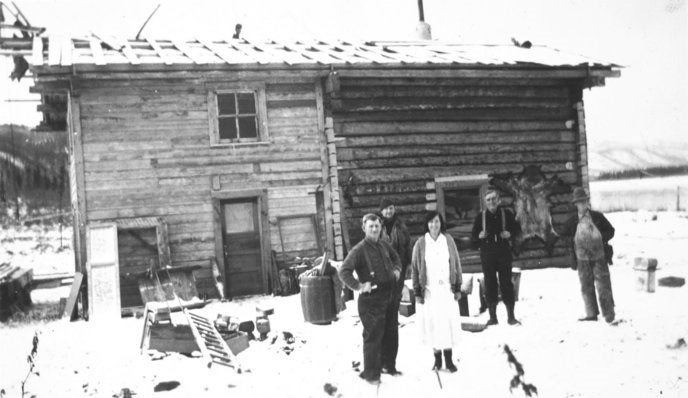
241, 153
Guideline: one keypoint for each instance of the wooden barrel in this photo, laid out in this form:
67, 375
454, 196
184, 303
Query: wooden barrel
317, 299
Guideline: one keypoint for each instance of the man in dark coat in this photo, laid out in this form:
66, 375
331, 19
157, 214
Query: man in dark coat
591, 232
395, 233
493, 230
377, 268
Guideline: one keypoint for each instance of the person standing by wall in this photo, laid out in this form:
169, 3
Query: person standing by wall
377, 268
493, 229
591, 232
437, 277
394, 231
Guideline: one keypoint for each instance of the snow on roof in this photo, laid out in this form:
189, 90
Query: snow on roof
55, 52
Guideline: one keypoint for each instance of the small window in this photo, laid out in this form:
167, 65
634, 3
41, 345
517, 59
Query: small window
459, 200
237, 115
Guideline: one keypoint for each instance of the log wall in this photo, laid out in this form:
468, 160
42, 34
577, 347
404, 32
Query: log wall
147, 153
394, 136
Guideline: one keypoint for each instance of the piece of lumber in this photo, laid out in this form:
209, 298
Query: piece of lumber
70, 307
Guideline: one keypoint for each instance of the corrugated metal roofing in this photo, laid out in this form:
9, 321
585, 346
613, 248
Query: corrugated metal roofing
55, 51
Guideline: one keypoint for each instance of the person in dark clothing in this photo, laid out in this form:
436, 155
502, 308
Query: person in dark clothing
591, 232
492, 232
377, 268
394, 231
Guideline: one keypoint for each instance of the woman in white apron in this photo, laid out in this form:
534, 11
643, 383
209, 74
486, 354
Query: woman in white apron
437, 286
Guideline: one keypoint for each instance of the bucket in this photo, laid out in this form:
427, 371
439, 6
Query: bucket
317, 299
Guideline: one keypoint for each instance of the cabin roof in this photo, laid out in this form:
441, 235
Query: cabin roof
104, 52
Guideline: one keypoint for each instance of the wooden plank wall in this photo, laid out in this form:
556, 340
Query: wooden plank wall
395, 135
297, 233
147, 153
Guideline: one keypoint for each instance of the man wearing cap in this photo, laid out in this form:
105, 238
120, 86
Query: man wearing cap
591, 232
377, 269
395, 233
493, 230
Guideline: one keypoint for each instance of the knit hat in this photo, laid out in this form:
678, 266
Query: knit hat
384, 203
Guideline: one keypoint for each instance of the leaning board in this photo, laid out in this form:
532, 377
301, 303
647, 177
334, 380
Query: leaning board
103, 272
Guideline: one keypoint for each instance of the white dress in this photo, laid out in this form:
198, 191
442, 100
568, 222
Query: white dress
439, 319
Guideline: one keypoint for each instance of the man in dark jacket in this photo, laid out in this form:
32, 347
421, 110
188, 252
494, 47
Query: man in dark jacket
591, 232
377, 269
493, 230
395, 233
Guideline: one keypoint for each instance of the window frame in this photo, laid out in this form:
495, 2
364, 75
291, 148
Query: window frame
443, 184
258, 90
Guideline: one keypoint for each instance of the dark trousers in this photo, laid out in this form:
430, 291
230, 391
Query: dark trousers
595, 275
496, 264
378, 311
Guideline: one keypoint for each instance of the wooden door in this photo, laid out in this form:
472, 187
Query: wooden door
242, 246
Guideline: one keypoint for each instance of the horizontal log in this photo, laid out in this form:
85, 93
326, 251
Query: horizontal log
367, 176
451, 112
421, 159
515, 114
345, 82
362, 127
429, 91
459, 141
396, 188
479, 104
436, 149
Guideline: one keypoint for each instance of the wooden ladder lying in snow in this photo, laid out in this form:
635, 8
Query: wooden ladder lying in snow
210, 342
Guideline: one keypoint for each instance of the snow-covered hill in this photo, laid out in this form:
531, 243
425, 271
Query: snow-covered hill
617, 157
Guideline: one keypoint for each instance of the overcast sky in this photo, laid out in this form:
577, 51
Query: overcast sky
648, 104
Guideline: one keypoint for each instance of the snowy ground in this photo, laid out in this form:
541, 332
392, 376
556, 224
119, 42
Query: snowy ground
560, 356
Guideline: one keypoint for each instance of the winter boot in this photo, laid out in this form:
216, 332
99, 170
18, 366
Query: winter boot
492, 308
438, 360
512, 318
448, 362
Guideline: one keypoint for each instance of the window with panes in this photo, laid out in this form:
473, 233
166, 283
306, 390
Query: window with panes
237, 117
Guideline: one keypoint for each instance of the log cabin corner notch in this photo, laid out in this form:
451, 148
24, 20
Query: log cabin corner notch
205, 133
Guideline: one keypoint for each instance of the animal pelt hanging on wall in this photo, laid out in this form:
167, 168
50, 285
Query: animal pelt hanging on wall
531, 191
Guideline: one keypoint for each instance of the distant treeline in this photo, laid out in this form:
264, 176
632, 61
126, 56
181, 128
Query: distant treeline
33, 170
664, 171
